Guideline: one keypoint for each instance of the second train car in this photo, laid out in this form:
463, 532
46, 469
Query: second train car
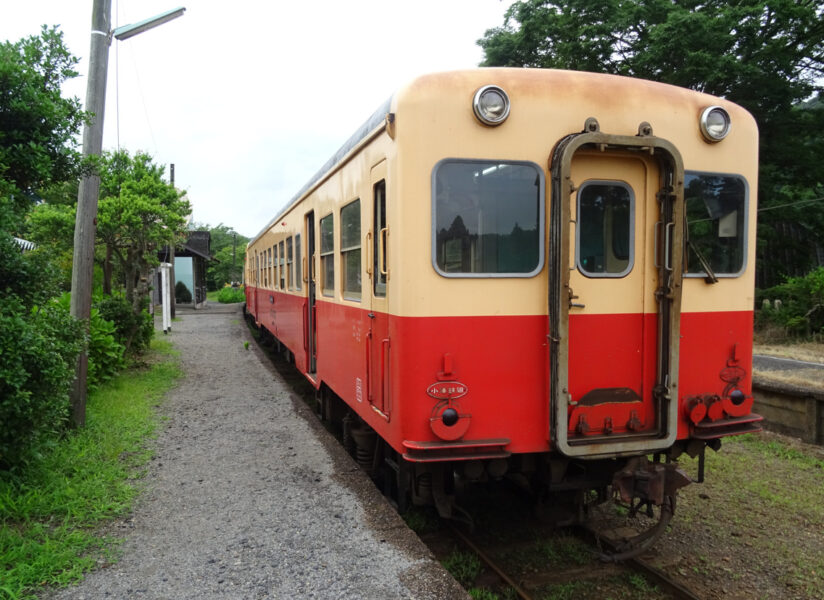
521, 271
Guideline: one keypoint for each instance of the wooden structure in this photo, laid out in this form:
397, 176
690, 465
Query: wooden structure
188, 275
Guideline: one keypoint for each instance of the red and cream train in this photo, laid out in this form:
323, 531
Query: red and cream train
532, 271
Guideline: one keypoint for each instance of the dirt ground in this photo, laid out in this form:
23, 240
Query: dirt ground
755, 527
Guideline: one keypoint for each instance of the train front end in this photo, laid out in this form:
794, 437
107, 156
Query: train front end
584, 296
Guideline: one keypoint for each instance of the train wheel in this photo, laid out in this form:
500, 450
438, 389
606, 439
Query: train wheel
397, 480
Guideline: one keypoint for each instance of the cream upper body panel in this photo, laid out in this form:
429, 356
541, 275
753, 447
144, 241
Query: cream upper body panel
434, 121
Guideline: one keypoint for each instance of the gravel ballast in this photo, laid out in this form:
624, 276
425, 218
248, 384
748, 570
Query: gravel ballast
249, 497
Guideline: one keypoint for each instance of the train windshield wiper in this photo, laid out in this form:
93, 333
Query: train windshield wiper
705, 264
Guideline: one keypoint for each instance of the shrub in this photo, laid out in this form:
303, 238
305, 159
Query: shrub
800, 310
104, 350
39, 347
231, 295
133, 330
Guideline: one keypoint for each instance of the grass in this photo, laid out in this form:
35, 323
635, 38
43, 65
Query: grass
49, 514
760, 507
464, 566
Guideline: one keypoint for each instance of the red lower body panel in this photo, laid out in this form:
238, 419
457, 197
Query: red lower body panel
493, 370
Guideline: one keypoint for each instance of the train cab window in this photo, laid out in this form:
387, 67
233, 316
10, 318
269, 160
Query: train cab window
350, 250
716, 223
282, 266
327, 255
488, 218
290, 281
298, 264
604, 232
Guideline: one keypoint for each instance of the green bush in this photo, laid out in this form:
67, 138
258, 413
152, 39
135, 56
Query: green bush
39, 348
133, 330
104, 350
796, 306
231, 295
39, 344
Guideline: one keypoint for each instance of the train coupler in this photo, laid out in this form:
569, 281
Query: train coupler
647, 481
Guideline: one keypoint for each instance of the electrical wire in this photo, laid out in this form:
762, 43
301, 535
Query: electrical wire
799, 202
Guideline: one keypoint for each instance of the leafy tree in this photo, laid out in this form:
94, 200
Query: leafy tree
38, 126
766, 55
39, 341
138, 213
229, 248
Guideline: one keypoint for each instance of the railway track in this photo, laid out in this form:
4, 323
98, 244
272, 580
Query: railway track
550, 582
520, 556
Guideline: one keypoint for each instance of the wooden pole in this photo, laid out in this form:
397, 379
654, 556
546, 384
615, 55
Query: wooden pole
87, 195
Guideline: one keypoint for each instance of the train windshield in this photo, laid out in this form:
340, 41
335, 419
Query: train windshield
487, 217
716, 222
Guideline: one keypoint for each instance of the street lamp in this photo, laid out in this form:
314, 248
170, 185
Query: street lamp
127, 31
87, 194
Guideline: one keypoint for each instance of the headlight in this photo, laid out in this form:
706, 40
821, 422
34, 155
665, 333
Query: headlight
491, 105
715, 123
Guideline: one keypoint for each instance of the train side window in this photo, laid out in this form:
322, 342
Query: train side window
273, 273
379, 240
327, 255
290, 281
257, 268
716, 223
350, 250
605, 229
488, 218
282, 267
298, 264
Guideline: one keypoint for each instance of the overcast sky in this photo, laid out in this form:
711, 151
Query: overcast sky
249, 98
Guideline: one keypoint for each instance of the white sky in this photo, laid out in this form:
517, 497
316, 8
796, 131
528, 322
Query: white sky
248, 98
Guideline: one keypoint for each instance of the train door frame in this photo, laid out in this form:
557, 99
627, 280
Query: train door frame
612, 343
377, 339
311, 335
669, 264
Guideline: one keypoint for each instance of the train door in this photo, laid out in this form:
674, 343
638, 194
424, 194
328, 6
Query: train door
251, 297
378, 341
311, 333
618, 296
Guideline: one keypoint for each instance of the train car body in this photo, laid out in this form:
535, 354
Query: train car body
559, 285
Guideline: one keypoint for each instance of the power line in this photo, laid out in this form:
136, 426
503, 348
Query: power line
810, 201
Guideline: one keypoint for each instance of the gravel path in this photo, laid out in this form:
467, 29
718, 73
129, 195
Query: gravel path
248, 496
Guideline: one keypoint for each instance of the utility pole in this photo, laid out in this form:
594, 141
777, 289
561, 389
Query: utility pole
170, 257
86, 220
